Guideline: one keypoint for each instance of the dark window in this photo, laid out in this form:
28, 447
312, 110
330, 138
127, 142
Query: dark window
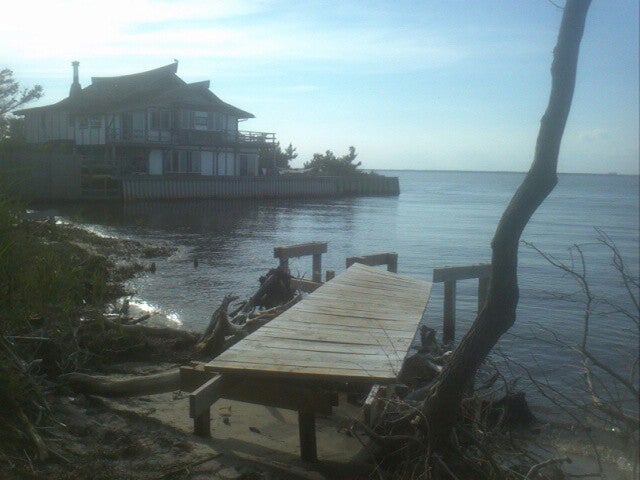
159, 119
183, 161
154, 120
165, 119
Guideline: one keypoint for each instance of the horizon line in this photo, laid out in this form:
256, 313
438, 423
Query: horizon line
496, 171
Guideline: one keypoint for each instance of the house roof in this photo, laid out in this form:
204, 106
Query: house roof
158, 87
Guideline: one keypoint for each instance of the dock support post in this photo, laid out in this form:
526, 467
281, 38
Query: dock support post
316, 275
330, 274
307, 429
483, 291
284, 264
392, 262
449, 323
202, 424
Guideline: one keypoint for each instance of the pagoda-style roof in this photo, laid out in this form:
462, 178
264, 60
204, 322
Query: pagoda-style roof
157, 87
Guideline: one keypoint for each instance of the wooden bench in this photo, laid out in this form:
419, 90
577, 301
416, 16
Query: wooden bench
354, 330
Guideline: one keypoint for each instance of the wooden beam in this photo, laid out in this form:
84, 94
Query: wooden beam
202, 424
371, 404
316, 268
204, 396
276, 393
461, 273
191, 377
300, 250
329, 274
307, 430
388, 259
392, 262
449, 319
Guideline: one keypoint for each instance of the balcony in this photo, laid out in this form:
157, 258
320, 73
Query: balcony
185, 137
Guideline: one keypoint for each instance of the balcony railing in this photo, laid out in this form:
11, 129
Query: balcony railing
201, 138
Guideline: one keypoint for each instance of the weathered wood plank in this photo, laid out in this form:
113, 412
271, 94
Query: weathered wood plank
449, 322
371, 405
310, 346
357, 327
191, 377
388, 259
202, 398
202, 424
333, 373
316, 268
282, 357
300, 250
461, 273
276, 393
307, 430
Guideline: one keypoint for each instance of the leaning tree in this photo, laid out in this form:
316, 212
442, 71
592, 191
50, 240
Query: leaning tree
442, 406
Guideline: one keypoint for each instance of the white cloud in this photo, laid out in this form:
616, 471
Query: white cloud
199, 29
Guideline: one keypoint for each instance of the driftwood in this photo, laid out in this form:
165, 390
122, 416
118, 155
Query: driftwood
274, 290
212, 341
217, 314
130, 387
220, 334
161, 332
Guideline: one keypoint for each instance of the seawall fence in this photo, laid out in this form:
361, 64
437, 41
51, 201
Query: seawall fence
149, 188
69, 176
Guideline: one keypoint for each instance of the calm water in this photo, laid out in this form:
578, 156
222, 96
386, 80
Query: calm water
441, 218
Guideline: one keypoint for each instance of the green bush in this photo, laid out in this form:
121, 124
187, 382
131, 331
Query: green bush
45, 285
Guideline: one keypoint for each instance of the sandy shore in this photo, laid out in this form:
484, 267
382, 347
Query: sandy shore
256, 438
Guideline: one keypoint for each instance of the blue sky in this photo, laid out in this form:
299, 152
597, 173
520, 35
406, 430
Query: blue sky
446, 85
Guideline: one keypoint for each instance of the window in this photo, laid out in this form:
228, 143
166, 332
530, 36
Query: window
159, 119
200, 120
185, 118
154, 120
182, 161
216, 121
165, 119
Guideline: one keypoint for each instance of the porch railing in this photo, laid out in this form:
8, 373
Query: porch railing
201, 138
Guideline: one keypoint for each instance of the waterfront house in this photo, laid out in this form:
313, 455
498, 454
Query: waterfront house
150, 123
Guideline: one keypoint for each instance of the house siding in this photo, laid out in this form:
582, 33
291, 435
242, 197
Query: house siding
143, 136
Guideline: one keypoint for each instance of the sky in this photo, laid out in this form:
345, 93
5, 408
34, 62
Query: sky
425, 85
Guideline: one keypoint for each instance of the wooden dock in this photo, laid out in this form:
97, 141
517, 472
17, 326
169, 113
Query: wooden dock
357, 327
354, 330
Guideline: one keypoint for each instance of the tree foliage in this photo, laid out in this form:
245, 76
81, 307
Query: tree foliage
329, 164
268, 155
12, 96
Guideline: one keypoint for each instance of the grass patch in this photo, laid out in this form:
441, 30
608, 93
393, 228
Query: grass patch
51, 278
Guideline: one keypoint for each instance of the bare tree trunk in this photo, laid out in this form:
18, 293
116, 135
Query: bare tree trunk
499, 313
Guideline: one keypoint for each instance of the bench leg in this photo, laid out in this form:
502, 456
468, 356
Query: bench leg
307, 428
202, 424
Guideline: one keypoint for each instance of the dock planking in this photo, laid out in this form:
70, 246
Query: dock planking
357, 327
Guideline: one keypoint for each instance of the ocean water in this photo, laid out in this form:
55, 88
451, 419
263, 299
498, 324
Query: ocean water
439, 219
